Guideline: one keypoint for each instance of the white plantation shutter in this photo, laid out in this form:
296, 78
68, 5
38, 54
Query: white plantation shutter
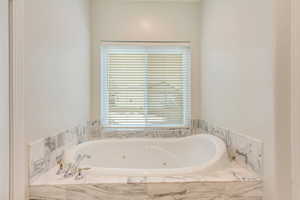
145, 86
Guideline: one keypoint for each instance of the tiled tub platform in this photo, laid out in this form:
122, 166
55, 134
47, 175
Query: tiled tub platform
234, 183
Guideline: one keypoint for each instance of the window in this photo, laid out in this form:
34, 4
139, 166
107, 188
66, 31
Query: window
145, 85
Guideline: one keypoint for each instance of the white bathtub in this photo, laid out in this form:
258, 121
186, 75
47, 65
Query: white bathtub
151, 157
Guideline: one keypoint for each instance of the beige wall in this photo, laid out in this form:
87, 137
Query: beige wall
296, 96
236, 62
4, 102
245, 78
57, 66
145, 21
282, 88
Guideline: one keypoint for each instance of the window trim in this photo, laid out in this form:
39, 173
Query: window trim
187, 82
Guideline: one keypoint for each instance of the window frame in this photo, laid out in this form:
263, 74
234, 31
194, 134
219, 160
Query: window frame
186, 111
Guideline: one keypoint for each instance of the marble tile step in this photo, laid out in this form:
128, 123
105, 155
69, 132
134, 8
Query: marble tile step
159, 191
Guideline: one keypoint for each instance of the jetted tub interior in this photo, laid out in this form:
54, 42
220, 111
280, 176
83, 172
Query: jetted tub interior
132, 157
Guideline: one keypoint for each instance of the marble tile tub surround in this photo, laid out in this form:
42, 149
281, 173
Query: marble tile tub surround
159, 191
154, 191
45, 153
233, 183
246, 150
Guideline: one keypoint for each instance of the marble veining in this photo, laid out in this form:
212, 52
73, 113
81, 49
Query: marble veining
243, 148
169, 191
45, 153
235, 182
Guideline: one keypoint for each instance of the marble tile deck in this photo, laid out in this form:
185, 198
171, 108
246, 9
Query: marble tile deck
237, 182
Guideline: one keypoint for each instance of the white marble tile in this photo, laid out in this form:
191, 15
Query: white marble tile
244, 189
107, 191
37, 164
243, 198
187, 191
233, 173
45, 192
235, 182
244, 148
160, 191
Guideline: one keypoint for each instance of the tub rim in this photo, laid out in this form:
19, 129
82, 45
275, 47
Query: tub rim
210, 166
